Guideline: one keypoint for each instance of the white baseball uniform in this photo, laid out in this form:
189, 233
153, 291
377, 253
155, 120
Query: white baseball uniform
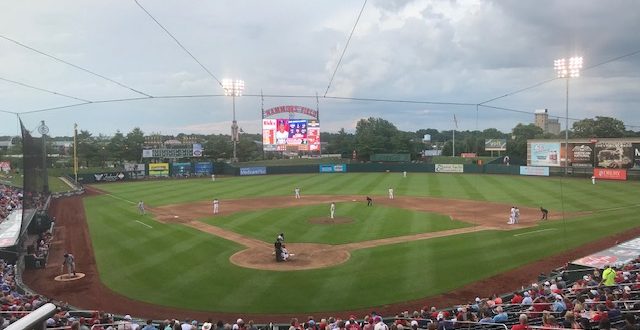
297, 191
390, 193
216, 206
332, 210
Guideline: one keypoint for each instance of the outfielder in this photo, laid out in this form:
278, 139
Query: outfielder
141, 208
593, 179
69, 261
297, 191
213, 177
404, 174
216, 206
390, 193
332, 209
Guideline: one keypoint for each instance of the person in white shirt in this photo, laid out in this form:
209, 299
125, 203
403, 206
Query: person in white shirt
390, 193
332, 210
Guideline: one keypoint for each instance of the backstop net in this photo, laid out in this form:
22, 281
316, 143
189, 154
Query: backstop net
35, 179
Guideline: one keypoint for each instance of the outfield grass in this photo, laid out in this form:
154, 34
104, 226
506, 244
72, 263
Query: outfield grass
177, 266
55, 184
368, 223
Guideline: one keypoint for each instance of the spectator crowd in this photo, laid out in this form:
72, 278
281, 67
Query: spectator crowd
10, 200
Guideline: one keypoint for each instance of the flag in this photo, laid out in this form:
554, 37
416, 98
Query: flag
455, 120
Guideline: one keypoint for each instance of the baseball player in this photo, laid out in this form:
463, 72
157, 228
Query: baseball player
141, 208
69, 261
332, 209
404, 174
512, 215
297, 191
213, 177
369, 201
545, 213
593, 179
216, 206
390, 193
516, 215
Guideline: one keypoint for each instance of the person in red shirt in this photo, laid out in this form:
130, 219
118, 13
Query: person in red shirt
522, 324
517, 298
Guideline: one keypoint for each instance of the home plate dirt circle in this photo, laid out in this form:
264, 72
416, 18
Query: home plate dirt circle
67, 277
329, 221
305, 256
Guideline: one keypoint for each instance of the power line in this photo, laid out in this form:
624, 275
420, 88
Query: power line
178, 42
398, 101
43, 90
73, 65
550, 80
345, 49
10, 112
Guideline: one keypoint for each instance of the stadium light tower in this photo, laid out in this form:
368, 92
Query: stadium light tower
567, 69
233, 88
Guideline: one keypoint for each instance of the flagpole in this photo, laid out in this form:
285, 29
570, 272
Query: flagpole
75, 152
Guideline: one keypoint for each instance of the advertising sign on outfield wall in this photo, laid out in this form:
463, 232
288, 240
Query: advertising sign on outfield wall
581, 154
614, 154
534, 170
134, 171
203, 168
545, 153
610, 173
449, 168
258, 170
636, 155
339, 168
181, 169
158, 169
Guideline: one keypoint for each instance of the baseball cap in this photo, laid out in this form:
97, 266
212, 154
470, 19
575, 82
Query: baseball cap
127, 317
414, 323
206, 326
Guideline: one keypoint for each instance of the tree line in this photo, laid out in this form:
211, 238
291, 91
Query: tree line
372, 136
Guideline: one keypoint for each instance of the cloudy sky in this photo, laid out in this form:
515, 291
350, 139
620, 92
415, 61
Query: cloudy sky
435, 51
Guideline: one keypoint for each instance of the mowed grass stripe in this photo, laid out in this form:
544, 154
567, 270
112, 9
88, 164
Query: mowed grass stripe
440, 264
469, 187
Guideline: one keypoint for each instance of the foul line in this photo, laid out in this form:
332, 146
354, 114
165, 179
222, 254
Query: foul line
535, 231
120, 198
142, 223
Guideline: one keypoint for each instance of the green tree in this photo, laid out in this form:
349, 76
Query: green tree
87, 149
374, 135
133, 143
517, 145
602, 127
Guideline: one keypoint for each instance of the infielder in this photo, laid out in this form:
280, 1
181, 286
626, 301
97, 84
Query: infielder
390, 193
332, 209
216, 206
512, 215
545, 213
141, 208
516, 215
69, 261
369, 201
297, 191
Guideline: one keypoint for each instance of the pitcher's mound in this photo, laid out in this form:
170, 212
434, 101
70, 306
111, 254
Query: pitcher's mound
67, 277
329, 221
306, 256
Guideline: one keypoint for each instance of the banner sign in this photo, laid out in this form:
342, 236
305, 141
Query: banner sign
159, 169
197, 150
545, 153
203, 168
495, 144
615, 154
534, 170
339, 168
581, 155
610, 174
10, 229
620, 254
431, 153
109, 177
134, 171
260, 170
290, 109
181, 169
636, 155
5, 166
449, 168
468, 155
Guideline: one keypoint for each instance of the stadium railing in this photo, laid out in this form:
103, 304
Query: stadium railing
35, 319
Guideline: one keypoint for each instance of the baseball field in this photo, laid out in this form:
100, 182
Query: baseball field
441, 232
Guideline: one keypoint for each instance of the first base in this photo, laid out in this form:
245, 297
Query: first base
175, 216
